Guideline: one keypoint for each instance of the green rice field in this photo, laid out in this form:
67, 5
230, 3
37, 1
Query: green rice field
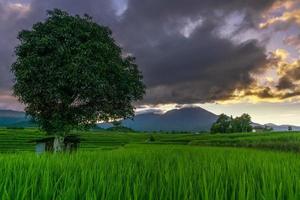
20, 140
111, 165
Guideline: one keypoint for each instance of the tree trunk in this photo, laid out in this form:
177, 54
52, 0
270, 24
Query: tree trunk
58, 144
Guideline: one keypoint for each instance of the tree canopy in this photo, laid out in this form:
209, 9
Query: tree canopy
70, 73
226, 124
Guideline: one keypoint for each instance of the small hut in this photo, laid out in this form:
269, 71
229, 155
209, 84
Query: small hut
71, 143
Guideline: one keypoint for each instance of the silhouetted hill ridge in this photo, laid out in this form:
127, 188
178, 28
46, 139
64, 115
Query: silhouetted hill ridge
184, 119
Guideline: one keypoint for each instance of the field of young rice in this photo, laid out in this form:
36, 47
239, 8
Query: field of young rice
152, 172
20, 140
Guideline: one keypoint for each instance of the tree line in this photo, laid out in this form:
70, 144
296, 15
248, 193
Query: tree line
228, 124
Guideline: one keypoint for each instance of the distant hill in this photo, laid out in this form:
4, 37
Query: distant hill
283, 127
14, 118
184, 119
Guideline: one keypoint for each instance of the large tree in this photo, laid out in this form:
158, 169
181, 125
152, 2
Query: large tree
70, 73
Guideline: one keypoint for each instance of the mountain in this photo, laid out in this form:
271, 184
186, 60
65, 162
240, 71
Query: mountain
184, 119
13, 118
283, 127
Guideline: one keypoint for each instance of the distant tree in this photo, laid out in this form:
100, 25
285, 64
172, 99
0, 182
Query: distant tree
236, 125
222, 125
215, 128
226, 124
70, 73
290, 128
244, 123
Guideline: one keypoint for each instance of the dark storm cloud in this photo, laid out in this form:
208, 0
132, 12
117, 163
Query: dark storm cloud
11, 21
285, 83
203, 67
289, 80
15, 17
177, 69
102, 11
193, 71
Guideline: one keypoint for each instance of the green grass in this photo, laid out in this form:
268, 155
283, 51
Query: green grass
19, 140
114, 165
152, 172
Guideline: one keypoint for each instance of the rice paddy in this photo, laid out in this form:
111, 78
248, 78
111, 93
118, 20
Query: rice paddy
127, 166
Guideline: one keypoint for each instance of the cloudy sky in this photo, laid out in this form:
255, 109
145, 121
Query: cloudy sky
227, 56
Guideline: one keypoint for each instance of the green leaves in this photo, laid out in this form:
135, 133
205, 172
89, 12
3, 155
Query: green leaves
70, 73
226, 124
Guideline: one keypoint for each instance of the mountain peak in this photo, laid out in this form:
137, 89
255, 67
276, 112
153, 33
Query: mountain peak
182, 119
